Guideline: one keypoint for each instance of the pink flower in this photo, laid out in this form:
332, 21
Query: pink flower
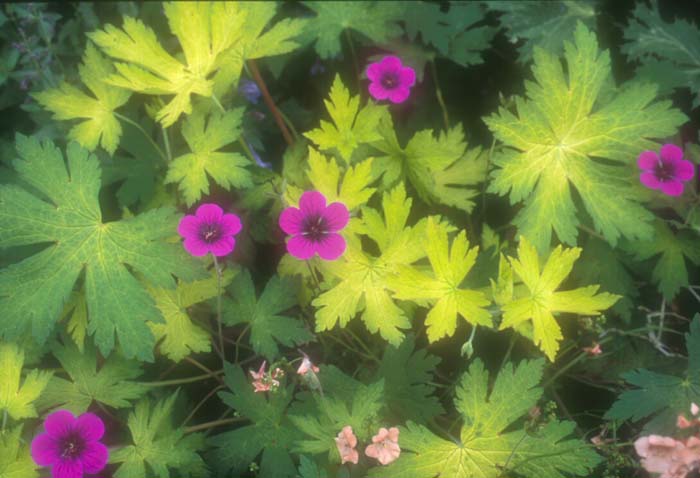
390, 79
385, 446
70, 446
668, 456
594, 350
314, 227
265, 381
209, 230
667, 172
346, 441
307, 366
683, 422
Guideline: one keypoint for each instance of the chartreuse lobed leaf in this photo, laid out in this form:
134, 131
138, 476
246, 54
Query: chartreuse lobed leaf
111, 384
17, 400
451, 33
203, 29
545, 24
180, 335
158, 447
352, 125
670, 273
66, 215
440, 290
441, 168
484, 448
15, 459
376, 21
407, 374
542, 299
265, 314
363, 285
270, 433
68, 102
660, 396
205, 138
560, 133
333, 412
669, 51
258, 39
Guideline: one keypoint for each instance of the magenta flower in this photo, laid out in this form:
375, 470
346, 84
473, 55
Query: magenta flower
209, 230
390, 79
71, 446
314, 227
667, 172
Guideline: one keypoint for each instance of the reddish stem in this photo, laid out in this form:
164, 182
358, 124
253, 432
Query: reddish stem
269, 102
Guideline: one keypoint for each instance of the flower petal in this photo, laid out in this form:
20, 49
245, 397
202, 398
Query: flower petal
390, 63
67, 469
648, 160
374, 71
378, 92
94, 457
407, 76
672, 188
223, 246
301, 248
196, 246
649, 180
685, 170
45, 450
399, 95
331, 247
90, 426
230, 224
210, 213
59, 423
336, 216
189, 226
312, 203
671, 152
291, 220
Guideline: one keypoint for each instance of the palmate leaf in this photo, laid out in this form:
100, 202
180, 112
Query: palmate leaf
268, 325
441, 289
67, 216
451, 33
15, 460
542, 300
180, 335
352, 125
68, 102
364, 285
111, 384
661, 396
375, 20
270, 433
204, 30
158, 447
257, 40
205, 139
669, 52
484, 450
670, 272
17, 400
542, 23
440, 168
557, 136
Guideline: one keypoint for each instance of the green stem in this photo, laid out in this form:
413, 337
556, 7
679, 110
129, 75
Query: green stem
246, 149
166, 141
218, 309
215, 423
202, 402
217, 103
354, 57
438, 93
182, 381
143, 131
362, 344
511, 344
4, 419
313, 276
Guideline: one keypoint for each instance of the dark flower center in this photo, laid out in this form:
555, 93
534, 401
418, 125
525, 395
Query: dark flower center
72, 446
664, 171
210, 233
390, 81
314, 227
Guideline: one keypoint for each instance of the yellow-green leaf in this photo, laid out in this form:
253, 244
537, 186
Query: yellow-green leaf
17, 400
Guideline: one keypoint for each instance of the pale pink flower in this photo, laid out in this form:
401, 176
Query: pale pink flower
307, 366
683, 422
346, 441
385, 446
265, 381
594, 350
670, 457
694, 409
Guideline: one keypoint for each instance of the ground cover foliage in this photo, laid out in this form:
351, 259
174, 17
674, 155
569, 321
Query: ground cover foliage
347, 239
